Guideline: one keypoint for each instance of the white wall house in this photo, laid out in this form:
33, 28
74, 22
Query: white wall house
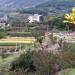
4, 18
34, 18
2, 25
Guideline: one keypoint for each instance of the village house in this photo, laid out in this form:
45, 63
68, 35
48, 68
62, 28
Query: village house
3, 20
35, 18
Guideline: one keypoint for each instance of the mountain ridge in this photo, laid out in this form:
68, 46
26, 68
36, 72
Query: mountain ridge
57, 7
19, 4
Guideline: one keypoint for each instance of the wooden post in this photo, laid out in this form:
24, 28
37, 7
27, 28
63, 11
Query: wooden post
16, 47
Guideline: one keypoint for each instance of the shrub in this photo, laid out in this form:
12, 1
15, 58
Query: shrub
58, 23
24, 61
41, 62
45, 63
2, 34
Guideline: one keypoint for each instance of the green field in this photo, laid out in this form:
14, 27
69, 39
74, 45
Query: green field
67, 72
7, 44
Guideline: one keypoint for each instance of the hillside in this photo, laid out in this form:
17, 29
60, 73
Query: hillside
18, 4
57, 7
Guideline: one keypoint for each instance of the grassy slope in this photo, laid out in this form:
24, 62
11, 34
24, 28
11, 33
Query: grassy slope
6, 61
67, 72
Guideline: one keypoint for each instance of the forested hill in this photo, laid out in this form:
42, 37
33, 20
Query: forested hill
19, 4
53, 7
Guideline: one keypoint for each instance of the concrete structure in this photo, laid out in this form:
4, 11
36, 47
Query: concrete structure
35, 18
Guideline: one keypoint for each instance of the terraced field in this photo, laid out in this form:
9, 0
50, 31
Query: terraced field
24, 40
